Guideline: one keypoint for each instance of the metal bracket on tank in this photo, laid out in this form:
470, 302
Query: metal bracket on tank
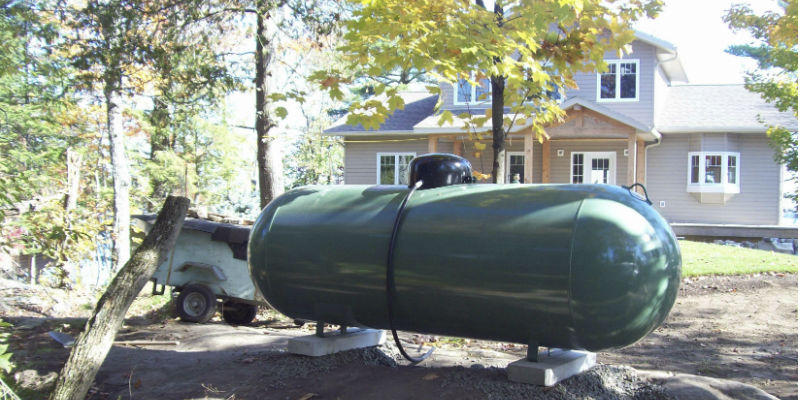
533, 352
637, 195
320, 330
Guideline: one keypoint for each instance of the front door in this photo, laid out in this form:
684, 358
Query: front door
594, 167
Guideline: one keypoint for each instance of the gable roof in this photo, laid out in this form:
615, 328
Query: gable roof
643, 130
718, 108
418, 106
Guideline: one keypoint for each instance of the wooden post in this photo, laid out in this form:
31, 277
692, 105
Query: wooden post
95, 341
433, 143
546, 161
528, 172
631, 177
640, 161
457, 145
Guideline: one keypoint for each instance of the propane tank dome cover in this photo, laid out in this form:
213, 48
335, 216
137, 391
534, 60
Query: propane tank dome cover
439, 169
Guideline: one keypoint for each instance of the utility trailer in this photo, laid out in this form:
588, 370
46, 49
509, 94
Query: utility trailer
208, 267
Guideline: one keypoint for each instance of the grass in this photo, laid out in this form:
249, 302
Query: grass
714, 259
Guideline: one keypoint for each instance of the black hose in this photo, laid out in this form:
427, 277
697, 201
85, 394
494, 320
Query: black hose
390, 288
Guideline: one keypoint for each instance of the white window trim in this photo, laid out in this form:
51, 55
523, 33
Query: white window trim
487, 100
396, 164
722, 187
587, 156
617, 99
508, 163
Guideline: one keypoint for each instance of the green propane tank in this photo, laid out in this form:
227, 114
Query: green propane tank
568, 266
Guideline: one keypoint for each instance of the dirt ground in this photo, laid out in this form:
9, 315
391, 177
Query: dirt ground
741, 328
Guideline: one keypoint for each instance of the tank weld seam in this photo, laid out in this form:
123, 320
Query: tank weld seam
571, 254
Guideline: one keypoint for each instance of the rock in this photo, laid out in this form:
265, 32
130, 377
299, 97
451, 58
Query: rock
30, 379
686, 386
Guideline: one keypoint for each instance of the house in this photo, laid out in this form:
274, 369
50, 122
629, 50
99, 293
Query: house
699, 149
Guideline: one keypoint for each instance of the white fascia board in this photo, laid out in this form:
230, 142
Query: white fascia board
649, 135
654, 41
368, 133
712, 129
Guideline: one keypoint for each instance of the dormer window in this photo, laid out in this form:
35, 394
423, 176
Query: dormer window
620, 82
471, 94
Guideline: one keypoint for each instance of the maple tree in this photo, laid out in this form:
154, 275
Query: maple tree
526, 49
776, 78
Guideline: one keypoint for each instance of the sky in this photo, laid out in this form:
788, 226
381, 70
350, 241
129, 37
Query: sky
697, 29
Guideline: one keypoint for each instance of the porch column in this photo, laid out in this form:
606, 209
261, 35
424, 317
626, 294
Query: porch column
631, 177
457, 145
433, 143
546, 161
528, 171
640, 161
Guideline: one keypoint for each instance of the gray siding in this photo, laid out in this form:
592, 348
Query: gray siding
757, 202
360, 159
560, 166
446, 92
641, 110
660, 87
483, 164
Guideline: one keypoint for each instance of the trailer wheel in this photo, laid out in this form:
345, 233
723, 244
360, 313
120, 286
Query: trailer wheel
196, 303
237, 313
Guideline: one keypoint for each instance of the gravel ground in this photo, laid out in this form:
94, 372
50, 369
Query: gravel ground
217, 361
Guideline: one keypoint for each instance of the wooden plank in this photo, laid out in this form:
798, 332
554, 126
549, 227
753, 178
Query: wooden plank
528, 172
546, 161
433, 143
640, 161
737, 231
631, 176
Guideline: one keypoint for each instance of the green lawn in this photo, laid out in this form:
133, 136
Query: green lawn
714, 259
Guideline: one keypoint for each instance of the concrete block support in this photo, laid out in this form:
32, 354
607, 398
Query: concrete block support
551, 368
316, 346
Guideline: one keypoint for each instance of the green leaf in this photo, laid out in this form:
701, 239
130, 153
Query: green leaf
446, 118
281, 112
5, 363
396, 103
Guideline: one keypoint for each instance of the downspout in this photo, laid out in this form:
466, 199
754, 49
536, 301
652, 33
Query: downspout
648, 145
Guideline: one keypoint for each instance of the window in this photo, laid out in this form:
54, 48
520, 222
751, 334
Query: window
466, 93
577, 168
594, 167
620, 82
515, 165
393, 168
713, 172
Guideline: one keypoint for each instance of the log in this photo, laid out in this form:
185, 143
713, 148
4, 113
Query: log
95, 341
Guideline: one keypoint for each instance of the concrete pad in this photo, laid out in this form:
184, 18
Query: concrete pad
316, 346
551, 368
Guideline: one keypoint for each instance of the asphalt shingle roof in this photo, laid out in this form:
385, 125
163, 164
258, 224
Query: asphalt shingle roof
703, 108
418, 106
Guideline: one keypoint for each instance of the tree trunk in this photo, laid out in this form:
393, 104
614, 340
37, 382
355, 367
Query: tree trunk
34, 270
270, 171
74, 161
498, 132
94, 342
498, 110
120, 236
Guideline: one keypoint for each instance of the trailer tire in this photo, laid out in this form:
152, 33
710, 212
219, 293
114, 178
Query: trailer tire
196, 303
238, 313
